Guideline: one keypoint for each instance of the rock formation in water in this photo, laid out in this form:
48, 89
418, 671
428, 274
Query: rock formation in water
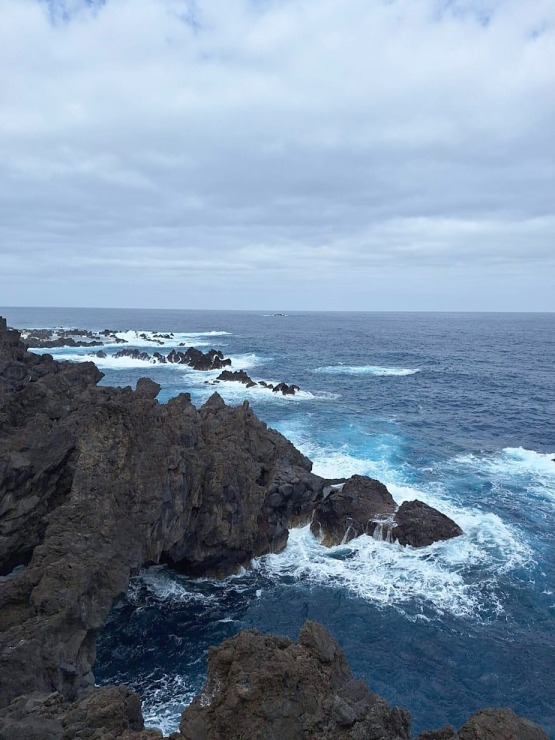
240, 376
351, 510
194, 358
50, 338
363, 505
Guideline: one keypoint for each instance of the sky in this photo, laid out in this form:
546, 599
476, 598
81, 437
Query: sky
278, 154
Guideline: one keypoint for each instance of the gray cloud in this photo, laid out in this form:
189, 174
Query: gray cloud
278, 154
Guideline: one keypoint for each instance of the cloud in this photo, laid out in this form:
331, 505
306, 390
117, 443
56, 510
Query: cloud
154, 149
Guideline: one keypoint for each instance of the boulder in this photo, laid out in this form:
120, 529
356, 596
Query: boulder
419, 525
262, 686
355, 508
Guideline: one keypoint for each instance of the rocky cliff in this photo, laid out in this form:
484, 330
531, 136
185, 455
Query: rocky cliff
97, 481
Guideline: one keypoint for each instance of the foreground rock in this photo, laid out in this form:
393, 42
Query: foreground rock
363, 505
490, 724
261, 686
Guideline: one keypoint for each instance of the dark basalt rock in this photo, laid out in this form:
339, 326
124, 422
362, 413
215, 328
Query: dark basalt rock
352, 510
240, 376
365, 506
95, 481
419, 525
66, 338
284, 389
134, 354
490, 724
262, 686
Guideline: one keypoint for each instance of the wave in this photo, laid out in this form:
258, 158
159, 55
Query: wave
458, 577
531, 472
365, 370
157, 339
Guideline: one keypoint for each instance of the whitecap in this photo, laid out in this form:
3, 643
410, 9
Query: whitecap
365, 370
533, 472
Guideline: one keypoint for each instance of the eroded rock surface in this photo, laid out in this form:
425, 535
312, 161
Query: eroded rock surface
96, 481
363, 505
262, 686
490, 724
352, 510
419, 525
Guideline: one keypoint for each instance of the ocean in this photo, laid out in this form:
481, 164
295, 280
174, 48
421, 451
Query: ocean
454, 409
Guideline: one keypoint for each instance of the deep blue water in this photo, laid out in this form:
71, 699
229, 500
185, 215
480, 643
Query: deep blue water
455, 409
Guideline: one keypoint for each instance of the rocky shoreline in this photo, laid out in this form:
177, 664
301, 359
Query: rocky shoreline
96, 482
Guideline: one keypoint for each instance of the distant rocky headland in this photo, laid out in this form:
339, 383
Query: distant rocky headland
97, 482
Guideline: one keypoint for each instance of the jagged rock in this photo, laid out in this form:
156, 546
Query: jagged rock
262, 686
352, 510
419, 525
365, 506
66, 338
134, 354
95, 481
108, 713
284, 389
490, 724
239, 376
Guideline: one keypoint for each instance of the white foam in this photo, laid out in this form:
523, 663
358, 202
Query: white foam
430, 581
365, 370
166, 585
149, 339
166, 698
533, 472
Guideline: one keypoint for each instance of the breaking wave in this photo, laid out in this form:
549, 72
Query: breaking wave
365, 370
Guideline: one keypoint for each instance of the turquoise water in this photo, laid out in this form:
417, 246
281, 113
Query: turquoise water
455, 409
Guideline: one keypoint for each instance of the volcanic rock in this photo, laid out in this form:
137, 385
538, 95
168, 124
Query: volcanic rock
262, 686
134, 354
95, 481
354, 509
286, 390
490, 724
240, 376
419, 525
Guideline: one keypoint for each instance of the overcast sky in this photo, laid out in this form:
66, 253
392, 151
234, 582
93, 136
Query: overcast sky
295, 154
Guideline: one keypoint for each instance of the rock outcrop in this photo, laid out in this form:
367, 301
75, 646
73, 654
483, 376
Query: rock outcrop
353, 509
490, 724
419, 525
96, 481
49, 338
237, 376
363, 505
262, 686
